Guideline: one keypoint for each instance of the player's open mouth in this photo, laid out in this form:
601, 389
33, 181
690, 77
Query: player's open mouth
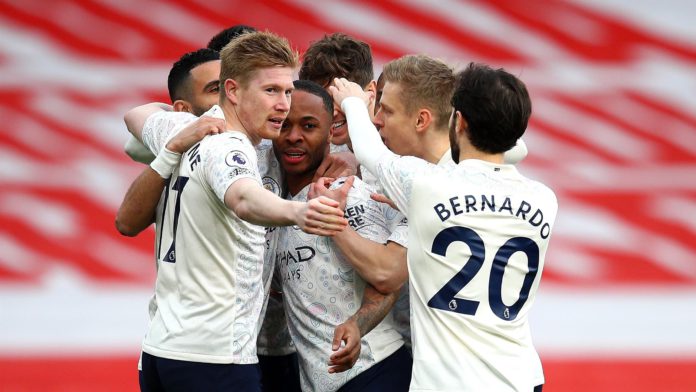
276, 122
293, 156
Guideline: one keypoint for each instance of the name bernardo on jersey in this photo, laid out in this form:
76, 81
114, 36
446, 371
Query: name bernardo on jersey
482, 203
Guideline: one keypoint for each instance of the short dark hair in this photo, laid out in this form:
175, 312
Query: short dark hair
225, 36
316, 89
495, 105
338, 56
181, 70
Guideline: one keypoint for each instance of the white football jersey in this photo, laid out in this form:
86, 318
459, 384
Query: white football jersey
401, 311
209, 289
322, 290
477, 240
274, 337
402, 307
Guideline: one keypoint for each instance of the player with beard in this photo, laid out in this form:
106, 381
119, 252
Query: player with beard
476, 254
412, 120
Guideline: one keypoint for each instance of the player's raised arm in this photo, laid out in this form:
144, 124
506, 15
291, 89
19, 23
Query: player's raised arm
367, 145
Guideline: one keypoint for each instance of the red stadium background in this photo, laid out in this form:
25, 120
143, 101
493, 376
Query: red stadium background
613, 132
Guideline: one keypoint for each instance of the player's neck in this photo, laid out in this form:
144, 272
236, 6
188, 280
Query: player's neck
233, 123
469, 152
435, 146
297, 182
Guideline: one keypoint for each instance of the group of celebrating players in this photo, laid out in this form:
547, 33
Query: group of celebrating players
336, 233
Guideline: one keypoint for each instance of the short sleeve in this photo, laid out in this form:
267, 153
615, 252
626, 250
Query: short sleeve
161, 126
399, 230
228, 158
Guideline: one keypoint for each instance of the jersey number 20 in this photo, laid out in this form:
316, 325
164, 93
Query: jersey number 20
445, 297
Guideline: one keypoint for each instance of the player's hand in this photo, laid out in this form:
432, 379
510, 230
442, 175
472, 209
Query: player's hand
338, 164
384, 199
345, 356
340, 194
341, 89
321, 216
194, 132
320, 187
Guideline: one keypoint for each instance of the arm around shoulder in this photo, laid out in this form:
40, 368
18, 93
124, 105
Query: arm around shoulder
136, 117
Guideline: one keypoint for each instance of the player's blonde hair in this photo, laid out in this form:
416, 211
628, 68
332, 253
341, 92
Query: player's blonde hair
425, 83
249, 52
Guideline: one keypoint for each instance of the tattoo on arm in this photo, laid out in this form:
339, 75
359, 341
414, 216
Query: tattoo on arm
373, 309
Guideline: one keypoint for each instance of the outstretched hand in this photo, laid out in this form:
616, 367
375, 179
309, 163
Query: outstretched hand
321, 216
195, 132
341, 89
345, 356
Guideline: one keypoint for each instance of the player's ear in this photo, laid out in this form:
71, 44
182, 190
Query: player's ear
181, 106
371, 88
423, 120
461, 125
231, 90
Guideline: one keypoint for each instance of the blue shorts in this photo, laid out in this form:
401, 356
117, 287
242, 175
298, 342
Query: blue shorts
393, 374
169, 375
280, 373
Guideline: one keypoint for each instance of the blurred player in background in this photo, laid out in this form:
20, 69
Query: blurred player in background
477, 251
194, 82
194, 86
225, 36
338, 56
